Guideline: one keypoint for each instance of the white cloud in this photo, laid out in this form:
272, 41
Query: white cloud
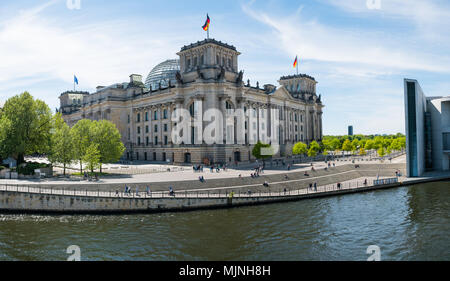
313, 40
99, 53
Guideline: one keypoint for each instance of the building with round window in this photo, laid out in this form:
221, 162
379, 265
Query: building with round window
199, 108
163, 74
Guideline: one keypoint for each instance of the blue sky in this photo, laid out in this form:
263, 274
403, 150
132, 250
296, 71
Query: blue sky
358, 54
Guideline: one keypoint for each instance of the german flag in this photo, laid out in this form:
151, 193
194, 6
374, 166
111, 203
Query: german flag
295, 62
208, 21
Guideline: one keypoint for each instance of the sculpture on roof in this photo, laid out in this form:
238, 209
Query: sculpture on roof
200, 75
178, 77
222, 73
240, 77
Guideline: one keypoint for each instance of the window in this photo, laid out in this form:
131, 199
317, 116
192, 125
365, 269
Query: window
446, 141
195, 61
166, 140
193, 109
138, 119
156, 128
295, 117
146, 116
147, 140
155, 115
202, 60
229, 63
129, 133
165, 127
137, 156
217, 59
128, 118
139, 140
165, 114
156, 140
138, 129
146, 129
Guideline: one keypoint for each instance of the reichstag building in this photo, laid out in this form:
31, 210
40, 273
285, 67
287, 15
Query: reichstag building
206, 76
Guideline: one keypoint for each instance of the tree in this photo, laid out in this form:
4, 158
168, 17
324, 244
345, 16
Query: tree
81, 135
362, 151
335, 144
300, 148
61, 143
262, 150
355, 144
314, 148
108, 138
25, 127
381, 152
370, 144
92, 157
347, 146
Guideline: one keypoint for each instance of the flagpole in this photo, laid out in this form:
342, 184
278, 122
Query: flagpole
297, 65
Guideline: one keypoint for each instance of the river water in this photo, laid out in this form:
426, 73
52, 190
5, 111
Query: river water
407, 223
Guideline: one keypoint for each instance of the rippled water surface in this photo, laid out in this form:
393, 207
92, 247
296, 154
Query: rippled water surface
408, 223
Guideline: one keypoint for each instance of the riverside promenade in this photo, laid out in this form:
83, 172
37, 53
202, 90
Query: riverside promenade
219, 190
224, 191
26, 199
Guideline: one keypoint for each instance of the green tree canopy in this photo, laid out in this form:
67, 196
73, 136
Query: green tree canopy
25, 127
108, 138
262, 150
61, 143
347, 145
92, 157
82, 137
314, 148
300, 148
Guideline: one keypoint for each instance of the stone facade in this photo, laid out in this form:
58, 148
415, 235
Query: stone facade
208, 78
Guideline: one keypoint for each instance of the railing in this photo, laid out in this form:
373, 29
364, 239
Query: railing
385, 181
220, 193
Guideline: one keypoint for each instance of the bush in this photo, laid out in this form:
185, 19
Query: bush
29, 168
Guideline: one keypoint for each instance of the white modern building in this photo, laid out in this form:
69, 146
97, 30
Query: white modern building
427, 131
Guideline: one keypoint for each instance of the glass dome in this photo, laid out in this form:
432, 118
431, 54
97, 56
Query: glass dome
163, 73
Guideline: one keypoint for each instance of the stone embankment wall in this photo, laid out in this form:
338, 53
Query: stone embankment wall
24, 202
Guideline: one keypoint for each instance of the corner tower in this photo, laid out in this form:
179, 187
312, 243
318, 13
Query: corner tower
208, 59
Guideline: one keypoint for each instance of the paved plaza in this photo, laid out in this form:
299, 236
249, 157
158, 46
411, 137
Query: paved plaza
186, 173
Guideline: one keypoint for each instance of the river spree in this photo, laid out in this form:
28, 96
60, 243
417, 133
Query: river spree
407, 223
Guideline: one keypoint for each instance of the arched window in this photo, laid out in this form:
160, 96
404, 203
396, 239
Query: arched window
202, 60
218, 59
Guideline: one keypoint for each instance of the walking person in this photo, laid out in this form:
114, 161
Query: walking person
315, 186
